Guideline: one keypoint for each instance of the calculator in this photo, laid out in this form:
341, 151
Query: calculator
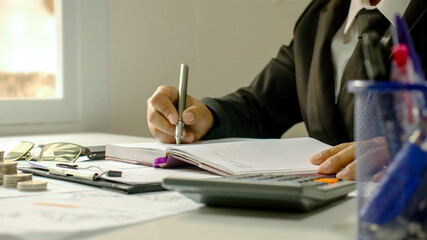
294, 193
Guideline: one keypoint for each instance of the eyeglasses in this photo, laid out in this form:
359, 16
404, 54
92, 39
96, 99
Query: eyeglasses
60, 152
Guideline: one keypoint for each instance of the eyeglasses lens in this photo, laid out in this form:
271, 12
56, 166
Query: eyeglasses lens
19, 151
61, 152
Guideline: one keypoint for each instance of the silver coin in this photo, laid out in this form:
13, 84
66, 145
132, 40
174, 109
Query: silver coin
10, 181
32, 186
8, 168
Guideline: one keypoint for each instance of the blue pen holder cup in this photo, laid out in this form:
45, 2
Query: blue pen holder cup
391, 155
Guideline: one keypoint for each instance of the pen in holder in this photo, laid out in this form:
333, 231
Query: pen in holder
392, 196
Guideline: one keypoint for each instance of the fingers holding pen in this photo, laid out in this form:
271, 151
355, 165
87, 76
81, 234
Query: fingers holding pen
161, 113
197, 118
162, 116
195, 122
163, 101
163, 130
159, 126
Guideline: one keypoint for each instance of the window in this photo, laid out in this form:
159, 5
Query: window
39, 54
28, 53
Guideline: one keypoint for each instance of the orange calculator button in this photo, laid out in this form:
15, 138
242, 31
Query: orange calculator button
327, 180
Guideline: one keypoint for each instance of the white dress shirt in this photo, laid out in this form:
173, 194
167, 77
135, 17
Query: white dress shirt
344, 41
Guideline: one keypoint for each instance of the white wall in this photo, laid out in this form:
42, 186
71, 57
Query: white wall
226, 43
129, 47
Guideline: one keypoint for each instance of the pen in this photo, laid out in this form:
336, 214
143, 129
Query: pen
403, 71
407, 68
401, 36
182, 97
373, 55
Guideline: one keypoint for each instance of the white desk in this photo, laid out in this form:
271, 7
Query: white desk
337, 221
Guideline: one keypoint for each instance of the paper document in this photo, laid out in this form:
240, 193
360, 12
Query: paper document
132, 174
145, 153
60, 216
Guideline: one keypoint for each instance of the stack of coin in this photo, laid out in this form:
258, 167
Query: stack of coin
7, 169
32, 186
10, 181
1, 166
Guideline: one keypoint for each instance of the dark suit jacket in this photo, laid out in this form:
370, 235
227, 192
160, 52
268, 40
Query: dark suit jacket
298, 85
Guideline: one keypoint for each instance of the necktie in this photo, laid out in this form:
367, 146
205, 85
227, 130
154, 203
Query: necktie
372, 20
367, 20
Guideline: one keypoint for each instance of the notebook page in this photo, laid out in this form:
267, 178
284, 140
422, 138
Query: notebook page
146, 152
266, 155
143, 153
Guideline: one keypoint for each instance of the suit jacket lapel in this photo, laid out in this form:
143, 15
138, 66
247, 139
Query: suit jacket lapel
414, 16
416, 19
322, 113
416, 10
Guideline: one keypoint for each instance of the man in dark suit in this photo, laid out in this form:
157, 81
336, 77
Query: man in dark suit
305, 82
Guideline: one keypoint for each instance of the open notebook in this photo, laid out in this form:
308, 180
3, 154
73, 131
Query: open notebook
226, 156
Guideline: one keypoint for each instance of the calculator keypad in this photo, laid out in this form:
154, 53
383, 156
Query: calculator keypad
299, 192
314, 180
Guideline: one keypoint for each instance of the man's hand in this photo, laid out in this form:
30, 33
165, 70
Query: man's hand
162, 116
341, 158
338, 159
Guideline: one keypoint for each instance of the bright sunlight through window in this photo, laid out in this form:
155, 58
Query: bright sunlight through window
28, 50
